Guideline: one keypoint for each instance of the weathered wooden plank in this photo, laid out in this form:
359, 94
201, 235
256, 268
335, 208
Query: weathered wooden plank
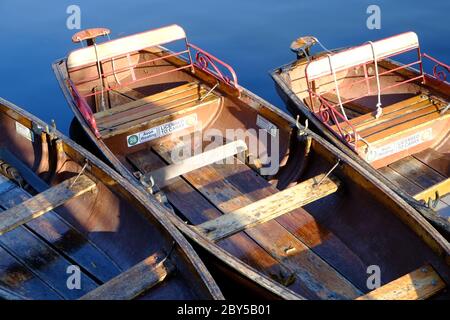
352, 105
269, 208
147, 100
134, 281
163, 175
439, 161
408, 124
164, 115
314, 272
383, 123
65, 238
151, 108
16, 277
43, 261
417, 172
389, 110
417, 285
399, 180
44, 202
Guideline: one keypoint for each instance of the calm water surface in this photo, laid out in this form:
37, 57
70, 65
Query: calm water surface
251, 35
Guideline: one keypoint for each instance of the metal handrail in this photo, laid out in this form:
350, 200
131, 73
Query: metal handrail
331, 110
438, 74
207, 62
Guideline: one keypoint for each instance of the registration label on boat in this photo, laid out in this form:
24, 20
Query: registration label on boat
400, 145
162, 130
24, 131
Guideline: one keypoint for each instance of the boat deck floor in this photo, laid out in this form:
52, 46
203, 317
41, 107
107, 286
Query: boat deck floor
37, 258
421, 171
294, 248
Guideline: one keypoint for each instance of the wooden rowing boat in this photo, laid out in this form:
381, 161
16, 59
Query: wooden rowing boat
73, 228
308, 218
392, 115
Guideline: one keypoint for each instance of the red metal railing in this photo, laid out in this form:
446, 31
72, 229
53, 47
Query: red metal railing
84, 108
328, 112
203, 60
367, 78
444, 68
207, 62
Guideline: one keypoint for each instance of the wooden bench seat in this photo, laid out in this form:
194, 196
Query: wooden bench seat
164, 175
133, 282
151, 109
395, 119
268, 208
44, 202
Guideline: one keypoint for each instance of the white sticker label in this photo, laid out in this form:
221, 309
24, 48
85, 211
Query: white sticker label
162, 130
266, 125
24, 131
400, 145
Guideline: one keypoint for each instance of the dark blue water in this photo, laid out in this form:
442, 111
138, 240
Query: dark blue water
251, 35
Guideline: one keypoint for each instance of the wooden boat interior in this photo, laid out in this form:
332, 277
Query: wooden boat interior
408, 137
315, 225
71, 228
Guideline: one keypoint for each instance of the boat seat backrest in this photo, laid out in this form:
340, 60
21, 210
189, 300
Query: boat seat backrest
123, 46
362, 54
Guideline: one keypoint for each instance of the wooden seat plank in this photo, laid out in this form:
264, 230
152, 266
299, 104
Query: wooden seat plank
133, 282
389, 117
149, 109
420, 284
149, 99
275, 239
163, 175
268, 208
442, 188
404, 118
402, 126
184, 108
44, 202
393, 108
